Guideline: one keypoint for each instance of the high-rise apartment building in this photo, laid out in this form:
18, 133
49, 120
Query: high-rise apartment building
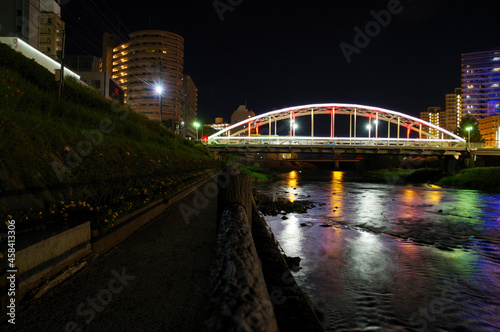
435, 116
453, 110
151, 58
480, 83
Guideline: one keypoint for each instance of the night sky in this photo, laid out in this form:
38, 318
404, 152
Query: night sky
274, 54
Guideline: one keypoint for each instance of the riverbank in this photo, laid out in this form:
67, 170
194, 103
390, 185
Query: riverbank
479, 178
292, 308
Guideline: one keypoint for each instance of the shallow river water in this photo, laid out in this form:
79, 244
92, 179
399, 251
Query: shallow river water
388, 257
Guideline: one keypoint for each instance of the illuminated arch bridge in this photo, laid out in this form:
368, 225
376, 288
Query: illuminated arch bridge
359, 124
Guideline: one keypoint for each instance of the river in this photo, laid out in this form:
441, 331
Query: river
384, 257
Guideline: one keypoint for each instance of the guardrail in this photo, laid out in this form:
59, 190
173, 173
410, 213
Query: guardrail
360, 141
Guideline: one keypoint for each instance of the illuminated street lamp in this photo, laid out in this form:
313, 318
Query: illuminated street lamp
196, 124
369, 127
468, 132
159, 91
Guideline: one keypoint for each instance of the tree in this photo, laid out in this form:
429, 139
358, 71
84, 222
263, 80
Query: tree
469, 121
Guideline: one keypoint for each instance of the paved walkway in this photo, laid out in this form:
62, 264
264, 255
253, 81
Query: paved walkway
157, 280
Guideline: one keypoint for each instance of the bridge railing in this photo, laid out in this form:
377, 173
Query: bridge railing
338, 141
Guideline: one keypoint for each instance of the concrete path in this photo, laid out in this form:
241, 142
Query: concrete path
157, 280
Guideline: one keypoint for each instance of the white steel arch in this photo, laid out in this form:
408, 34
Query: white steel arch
353, 110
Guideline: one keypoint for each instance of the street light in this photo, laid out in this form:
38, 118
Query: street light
196, 124
369, 127
468, 132
159, 91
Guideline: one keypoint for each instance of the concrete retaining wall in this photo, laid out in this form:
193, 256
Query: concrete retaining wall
239, 300
39, 261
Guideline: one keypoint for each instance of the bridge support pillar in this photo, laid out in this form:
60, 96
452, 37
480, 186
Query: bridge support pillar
452, 164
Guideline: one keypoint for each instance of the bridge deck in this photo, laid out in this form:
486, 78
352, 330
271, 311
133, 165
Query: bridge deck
337, 149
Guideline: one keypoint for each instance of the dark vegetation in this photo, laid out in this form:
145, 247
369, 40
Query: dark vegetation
81, 157
482, 178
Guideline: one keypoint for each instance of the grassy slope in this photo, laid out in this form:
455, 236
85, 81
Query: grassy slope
101, 150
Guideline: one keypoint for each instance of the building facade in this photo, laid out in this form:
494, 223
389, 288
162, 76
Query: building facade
83, 62
36, 22
480, 83
51, 29
218, 124
189, 106
241, 113
489, 127
453, 110
435, 116
21, 18
151, 58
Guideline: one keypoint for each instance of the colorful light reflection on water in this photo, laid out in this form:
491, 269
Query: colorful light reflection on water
395, 257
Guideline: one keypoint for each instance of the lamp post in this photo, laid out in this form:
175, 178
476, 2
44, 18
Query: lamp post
369, 127
468, 133
159, 91
196, 124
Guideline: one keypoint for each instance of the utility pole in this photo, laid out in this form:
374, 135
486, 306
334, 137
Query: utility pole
161, 119
61, 82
